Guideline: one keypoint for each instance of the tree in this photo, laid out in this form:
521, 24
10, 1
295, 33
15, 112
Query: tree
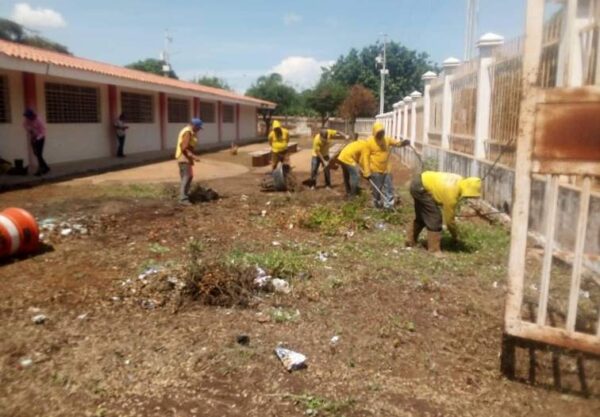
405, 70
14, 32
360, 102
271, 88
153, 66
325, 98
215, 82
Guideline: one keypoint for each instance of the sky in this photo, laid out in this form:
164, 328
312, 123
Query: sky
240, 40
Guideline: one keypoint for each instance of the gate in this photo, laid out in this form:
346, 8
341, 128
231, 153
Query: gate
559, 141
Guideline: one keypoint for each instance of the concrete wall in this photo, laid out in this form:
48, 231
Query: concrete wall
210, 131
173, 129
67, 142
142, 137
13, 139
247, 122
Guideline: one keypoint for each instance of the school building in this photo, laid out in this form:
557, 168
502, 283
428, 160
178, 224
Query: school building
80, 99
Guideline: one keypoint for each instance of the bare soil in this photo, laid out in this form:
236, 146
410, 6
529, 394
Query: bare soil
418, 336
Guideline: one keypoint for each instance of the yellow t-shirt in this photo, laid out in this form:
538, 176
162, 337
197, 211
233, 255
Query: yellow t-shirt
192, 144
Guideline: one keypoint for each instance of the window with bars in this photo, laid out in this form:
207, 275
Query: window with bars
67, 103
228, 113
179, 110
207, 112
4, 101
137, 108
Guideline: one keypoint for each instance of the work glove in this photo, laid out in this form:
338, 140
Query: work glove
405, 142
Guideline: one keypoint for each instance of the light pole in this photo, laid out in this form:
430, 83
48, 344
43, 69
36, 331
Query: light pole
382, 60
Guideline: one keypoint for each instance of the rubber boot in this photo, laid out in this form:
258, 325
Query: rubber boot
412, 234
434, 243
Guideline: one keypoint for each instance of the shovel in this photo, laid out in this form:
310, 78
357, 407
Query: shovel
313, 182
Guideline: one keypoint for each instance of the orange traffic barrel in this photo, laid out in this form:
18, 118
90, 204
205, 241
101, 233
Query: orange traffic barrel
19, 232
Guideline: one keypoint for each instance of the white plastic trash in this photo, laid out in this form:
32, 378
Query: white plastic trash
291, 360
281, 286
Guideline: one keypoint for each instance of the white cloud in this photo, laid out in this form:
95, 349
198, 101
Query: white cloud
37, 18
301, 72
291, 18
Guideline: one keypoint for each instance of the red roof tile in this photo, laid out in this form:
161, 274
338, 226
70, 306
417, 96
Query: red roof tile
30, 53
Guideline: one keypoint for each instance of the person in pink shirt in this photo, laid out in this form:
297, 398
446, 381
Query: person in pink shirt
36, 131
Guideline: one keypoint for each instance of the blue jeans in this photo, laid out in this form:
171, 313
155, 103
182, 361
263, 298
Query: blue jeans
186, 174
314, 170
351, 179
384, 183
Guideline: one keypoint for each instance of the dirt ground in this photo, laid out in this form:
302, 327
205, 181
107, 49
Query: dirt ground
418, 336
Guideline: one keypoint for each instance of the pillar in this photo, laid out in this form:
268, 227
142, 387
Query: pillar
415, 95
196, 107
405, 132
427, 78
113, 113
30, 100
449, 66
237, 122
486, 45
162, 114
220, 120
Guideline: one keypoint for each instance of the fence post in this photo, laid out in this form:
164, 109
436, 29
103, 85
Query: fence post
427, 78
415, 95
405, 132
487, 44
449, 65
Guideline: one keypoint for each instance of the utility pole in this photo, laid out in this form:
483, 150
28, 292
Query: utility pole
382, 60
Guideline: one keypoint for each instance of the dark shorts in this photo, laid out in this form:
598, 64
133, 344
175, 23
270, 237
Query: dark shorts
427, 211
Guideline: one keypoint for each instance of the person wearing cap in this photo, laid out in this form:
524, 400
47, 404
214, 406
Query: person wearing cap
320, 155
36, 132
186, 157
121, 130
430, 190
353, 161
278, 140
378, 168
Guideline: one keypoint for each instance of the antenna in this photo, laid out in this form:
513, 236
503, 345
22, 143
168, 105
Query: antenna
165, 55
471, 22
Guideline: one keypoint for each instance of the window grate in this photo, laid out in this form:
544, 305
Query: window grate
228, 114
67, 103
137, 108
179, 110
207, 112
4, 101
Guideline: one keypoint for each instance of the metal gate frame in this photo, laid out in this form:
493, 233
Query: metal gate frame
539, 152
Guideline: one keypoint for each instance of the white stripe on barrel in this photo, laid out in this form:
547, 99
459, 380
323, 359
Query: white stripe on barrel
15, 238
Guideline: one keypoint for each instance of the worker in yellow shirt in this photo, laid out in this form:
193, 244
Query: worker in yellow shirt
186, 156
378, 169
353, 161
430, 190
320, 155
278, 140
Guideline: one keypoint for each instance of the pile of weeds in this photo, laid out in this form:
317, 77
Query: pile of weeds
351, 215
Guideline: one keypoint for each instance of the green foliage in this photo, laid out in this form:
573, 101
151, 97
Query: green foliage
331, 220
151, 65
213, 81
325, 98
272, 88
14, 32
405, 70
315, 405
283, 315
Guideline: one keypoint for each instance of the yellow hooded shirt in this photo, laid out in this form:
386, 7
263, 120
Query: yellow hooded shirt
377, 152
279, 143
192, 144
447, 189
321, 146
354, 153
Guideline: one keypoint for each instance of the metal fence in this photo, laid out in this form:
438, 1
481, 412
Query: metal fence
464, 108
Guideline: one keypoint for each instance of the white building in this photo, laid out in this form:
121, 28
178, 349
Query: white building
80, 99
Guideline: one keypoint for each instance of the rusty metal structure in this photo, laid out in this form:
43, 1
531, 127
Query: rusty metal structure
557, 139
